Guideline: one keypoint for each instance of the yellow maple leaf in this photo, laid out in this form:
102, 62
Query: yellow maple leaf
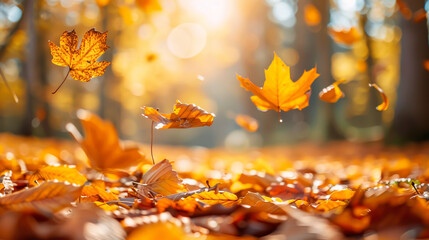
82, 62
279, 92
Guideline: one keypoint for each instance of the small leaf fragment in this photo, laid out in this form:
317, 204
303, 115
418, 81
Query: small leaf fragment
385, 104
331, 93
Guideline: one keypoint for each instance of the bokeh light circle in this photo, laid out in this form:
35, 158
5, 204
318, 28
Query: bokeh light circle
187, 40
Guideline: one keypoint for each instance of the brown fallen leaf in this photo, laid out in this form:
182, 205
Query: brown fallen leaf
183, 116
60, 173
279, 92
385, 104
331, 93
345, 36
247, 122
82, 62
160, 179
102, 145
92, 193
259, 203
46, 198
302, 225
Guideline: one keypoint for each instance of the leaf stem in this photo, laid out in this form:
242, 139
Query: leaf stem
62, 82
8, 87
151, 144
415, 188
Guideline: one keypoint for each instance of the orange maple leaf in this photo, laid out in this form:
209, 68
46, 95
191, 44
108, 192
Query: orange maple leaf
279, 92
331, 93
102, 145
385, 104
82, 62
345, 36
183, 116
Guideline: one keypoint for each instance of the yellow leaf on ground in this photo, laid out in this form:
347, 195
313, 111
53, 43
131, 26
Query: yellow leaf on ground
258, 202
160, 179
60, 173
46, 198
227, 199
344, 194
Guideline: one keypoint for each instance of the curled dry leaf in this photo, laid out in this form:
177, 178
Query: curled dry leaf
60, 173
83, 61
227, 199
102, 145
279, 92
183, 116
331, 93
385, 104
160, 179
345, 36
46, 198
247, 122
259, 203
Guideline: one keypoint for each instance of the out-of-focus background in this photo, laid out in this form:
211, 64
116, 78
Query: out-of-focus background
191, 50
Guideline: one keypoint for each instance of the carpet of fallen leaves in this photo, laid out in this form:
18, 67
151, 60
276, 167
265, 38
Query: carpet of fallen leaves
333, 191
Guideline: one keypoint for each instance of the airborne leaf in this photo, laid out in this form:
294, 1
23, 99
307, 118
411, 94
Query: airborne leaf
82, 62
331, 93
183, 116
247, 122
345, 36
102, 145
385, 104
279, 92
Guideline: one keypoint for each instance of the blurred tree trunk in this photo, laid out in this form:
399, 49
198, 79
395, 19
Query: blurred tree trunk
411, 120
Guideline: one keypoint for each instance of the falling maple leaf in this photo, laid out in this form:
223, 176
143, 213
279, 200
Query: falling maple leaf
160, 179
46, 198
102, 145
82, 62
345, 36
331, 93
247, 122
183, 116
312, 15
279, 92
385, 104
